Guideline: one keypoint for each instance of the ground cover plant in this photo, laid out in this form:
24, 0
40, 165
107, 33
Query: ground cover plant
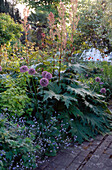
44, 103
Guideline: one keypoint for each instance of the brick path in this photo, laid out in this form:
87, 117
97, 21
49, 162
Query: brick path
94, 155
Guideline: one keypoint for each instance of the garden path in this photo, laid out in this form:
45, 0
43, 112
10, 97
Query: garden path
93, 155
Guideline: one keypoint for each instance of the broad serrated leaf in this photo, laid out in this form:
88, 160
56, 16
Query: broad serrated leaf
67, 101
50, 94
75, 111
55, 87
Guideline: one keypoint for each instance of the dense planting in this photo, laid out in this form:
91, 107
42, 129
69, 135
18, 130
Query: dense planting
48, 96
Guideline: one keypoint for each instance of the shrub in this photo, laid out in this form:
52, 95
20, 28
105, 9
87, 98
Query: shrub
14, 98
9, 30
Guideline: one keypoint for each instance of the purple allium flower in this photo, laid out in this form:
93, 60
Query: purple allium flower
23, 69
31, 71
48, 76
101, 69
0, 68
101, 82
97, 79
44, 73
44, 82
103, 90
86, 75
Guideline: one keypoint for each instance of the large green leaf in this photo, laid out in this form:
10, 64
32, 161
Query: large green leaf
75, 111
50, 94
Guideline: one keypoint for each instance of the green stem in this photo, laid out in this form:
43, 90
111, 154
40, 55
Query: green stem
94, 88
30, 87
35, 94
43, 107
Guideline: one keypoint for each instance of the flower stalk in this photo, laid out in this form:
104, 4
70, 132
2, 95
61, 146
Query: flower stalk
26, 27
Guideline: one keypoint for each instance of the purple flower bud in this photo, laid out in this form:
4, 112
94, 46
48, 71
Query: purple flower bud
101, 82
101, 69
48, 76
86, 75
23, 69
44, 73
44, 82
103, 90
31, 71
97, 79
0, 68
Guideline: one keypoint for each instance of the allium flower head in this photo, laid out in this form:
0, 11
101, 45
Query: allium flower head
103, 90
0, 68
31, 71
48, 76
44, 73
44, 82
97, 79
101, 69
23, 69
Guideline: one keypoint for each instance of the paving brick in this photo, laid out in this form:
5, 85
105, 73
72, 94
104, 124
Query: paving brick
108, 151
108, 163
100, 164
91, 148
84, 144
74, 155
85, 153
98, 151
99, 137
50, 167
95, 142
76, 150
104, 145
110, 146
95, 168
94, 158
60, 168
79, 159
90, 165
94, 155
73, 166
73, 150
103, 158
109, 138
63, 159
